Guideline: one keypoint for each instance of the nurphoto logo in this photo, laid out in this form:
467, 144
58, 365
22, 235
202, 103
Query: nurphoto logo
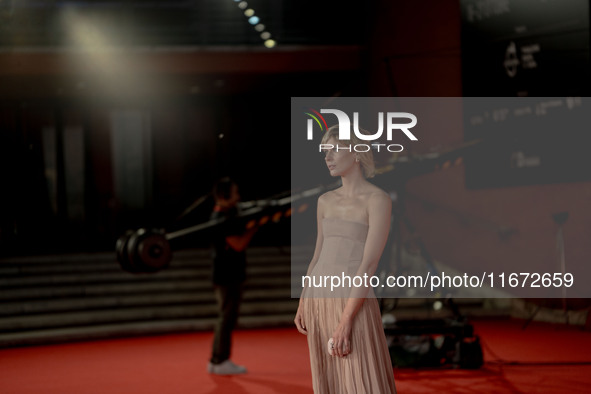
345, 129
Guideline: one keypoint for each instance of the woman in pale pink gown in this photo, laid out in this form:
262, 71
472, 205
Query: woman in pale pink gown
353, 223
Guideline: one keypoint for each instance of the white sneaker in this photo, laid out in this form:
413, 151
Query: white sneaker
225, 368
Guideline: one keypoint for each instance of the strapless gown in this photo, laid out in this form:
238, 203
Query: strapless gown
368, 368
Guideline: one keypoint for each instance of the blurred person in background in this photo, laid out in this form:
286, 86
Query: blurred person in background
230, 240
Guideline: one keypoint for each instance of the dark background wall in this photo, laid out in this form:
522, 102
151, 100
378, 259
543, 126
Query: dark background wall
422, 41
117, 115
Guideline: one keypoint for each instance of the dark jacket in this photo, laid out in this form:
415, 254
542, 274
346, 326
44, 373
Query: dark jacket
229, 265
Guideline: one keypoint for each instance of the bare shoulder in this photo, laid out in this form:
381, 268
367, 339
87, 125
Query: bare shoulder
379, 196
379, 202
324, 202
326, 197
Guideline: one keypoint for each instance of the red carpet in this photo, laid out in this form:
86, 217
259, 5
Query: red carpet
543, 358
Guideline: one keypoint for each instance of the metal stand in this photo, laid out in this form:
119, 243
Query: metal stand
400, 219
559, 218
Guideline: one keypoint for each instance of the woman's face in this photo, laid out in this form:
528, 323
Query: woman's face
339, 162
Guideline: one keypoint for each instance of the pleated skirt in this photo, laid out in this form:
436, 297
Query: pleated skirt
367, 369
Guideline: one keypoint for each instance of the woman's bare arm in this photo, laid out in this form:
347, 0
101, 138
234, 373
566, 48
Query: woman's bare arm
319, 236
299, 319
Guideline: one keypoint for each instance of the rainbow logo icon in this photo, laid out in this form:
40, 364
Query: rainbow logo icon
315, 116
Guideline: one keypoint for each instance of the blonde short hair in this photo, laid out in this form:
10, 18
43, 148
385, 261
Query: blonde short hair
365, 158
